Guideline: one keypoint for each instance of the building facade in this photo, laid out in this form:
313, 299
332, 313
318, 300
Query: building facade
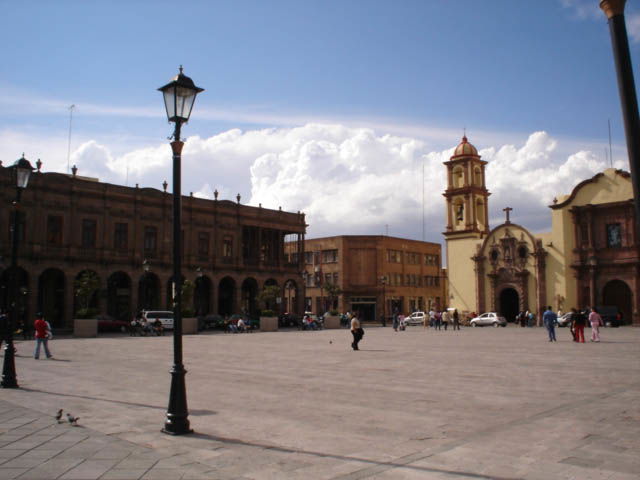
591, 256
70, 224
375, 275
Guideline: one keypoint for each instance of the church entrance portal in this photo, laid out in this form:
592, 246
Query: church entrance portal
509, 304
617, 293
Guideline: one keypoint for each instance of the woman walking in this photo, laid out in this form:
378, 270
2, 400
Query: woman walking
356, 331
579, 321
596, 322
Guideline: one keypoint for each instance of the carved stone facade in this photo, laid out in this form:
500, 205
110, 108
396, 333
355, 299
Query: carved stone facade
71, 224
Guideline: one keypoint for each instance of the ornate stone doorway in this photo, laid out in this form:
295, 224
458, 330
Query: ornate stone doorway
509, 304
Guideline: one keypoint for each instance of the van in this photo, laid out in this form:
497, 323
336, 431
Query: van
165, 316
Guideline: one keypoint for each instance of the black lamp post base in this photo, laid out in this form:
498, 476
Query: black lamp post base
9, 379
177, 422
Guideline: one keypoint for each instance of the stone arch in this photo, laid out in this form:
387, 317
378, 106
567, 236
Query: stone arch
22, 293
457, 176
51, 296
480, 217
290, 297
226, 295
202, 296
149, 292
477, 177
119, 296
617, 293
272, 305
249, 297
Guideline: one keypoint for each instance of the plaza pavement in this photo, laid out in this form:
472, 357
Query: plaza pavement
475, 404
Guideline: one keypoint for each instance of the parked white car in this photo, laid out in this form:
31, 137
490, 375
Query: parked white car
489, 318
416, 318
165, 316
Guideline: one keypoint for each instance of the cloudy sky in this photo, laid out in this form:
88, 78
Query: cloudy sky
344, 110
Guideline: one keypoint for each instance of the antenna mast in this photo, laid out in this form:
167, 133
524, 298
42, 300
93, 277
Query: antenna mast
423, 199
69, 144
610, 155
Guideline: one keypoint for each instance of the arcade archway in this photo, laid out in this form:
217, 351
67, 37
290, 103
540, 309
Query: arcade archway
119, 296
226, 292
51, 295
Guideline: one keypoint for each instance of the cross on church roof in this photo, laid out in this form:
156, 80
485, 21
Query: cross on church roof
507, 210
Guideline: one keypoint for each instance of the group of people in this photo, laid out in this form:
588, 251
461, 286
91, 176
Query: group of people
140, 326
576, 323
436, 319
237, 326
526, 319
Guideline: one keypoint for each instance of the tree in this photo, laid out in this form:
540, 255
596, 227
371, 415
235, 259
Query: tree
333, 291
86, 286
267, 298
188, 288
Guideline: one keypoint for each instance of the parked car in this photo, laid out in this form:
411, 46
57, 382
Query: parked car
489, 318
416, 318
210, 322
165, 316
611, 316
109, 324
564, 320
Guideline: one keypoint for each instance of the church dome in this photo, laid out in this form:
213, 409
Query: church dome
465, 149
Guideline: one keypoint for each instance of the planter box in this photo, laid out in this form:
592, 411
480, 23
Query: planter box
190, 326
332, 321
268, 324
85, 327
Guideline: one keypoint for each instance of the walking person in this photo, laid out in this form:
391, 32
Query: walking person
596, 322
43, 334
579, 321
456, 320
445, 318
356, 331
437, 320
549, 318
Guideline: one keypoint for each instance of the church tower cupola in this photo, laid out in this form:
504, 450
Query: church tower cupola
466, 194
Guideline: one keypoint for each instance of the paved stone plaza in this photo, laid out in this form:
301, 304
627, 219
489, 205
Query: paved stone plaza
480, 403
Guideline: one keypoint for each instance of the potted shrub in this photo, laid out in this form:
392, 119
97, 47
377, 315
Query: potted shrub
268, 318
85, 323
189, 320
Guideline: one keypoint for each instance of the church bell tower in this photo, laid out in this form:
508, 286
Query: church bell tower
466, 194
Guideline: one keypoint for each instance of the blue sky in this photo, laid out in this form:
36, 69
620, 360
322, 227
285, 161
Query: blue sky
335, 108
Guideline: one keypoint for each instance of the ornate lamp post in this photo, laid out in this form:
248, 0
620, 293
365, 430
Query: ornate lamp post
383, 280
22, 171
179, 97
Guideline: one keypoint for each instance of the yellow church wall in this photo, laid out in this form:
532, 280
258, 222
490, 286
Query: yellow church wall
461, 275
560, 242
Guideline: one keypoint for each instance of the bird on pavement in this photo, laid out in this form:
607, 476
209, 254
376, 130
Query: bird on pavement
72, 420
59, 416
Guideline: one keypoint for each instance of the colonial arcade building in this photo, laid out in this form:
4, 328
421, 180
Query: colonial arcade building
70, 224
591, 256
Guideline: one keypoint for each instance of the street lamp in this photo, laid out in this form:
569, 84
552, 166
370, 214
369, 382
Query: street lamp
21, 171
179, 97
383, 280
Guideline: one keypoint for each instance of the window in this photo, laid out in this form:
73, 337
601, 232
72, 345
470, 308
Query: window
121, 236
203, 243
394, 256
150, 241
54, 230
413, 258
614, 236
329, 256
335, 278
88, 233
308, 258
227, 247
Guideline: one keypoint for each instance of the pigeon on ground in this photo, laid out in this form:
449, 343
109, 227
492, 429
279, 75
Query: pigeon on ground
59, 416
72, 420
